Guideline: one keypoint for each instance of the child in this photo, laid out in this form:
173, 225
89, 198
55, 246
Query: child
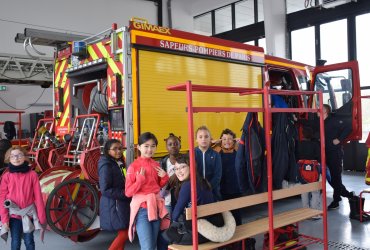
309, 150
208, 161
229, 181
173, 145
21, 186
182, 234
114, 209
144, 180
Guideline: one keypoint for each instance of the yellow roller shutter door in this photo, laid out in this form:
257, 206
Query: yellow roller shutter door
162, 112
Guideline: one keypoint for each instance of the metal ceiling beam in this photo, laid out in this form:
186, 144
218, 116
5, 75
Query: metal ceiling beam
47, 38
19, 69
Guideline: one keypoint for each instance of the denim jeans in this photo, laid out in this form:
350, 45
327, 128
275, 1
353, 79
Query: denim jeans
16, 232
311, 200
147, 231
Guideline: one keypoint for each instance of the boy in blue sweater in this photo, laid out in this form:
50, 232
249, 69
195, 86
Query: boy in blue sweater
208, 161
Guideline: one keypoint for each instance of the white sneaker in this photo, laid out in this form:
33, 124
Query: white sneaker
317, 217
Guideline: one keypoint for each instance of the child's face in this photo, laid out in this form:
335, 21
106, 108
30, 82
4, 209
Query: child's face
116, 150
147, 149
173, 146
227, 141
182, 171
16, 157
203, 139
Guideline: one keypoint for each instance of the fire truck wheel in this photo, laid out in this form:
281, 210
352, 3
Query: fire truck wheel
72, 207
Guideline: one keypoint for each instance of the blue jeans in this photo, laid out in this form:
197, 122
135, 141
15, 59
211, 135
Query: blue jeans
147, 231
16, 232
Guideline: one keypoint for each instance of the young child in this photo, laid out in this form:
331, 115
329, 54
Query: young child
144, 180
114, 209
208, 161
307, 149
229, 181
173, 145
21, 186
183, 196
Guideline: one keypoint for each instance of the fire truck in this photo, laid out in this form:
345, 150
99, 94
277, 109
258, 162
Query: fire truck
114, 85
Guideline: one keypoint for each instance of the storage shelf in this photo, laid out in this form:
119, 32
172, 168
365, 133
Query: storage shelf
258, 227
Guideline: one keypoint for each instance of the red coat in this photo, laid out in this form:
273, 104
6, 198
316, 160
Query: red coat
144, 184
23, 189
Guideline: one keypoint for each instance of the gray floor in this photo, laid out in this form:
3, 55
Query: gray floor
343, 232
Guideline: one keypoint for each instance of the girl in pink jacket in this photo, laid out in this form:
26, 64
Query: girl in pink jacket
144, 180
21, 186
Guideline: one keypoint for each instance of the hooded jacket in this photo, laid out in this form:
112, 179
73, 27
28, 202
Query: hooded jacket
209, 166
114, 209
250, 161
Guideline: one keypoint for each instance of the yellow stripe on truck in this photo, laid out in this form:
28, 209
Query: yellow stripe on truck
111, 62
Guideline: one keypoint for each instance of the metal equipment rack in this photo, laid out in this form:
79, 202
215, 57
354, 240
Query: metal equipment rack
272, 221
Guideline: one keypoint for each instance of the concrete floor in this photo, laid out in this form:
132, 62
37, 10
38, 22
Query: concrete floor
351, 233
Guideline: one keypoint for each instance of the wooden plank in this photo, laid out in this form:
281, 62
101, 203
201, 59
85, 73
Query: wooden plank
250, 200
258, 227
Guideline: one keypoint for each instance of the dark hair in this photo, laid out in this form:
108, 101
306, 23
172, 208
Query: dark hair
327, 107
227, 132
203, 183
5, 144
108, 144
144, 137
307, 132
172, 135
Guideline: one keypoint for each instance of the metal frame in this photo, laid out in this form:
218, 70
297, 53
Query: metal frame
267, 110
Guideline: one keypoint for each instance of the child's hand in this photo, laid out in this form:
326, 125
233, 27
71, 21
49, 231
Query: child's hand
161, 173
6, 226
142, 171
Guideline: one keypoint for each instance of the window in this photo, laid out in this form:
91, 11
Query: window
250, 42
336, 87
365, 103
363, 48
303, 45
334, 46
223, 20
261, 17
244, 13
262, 43
203, 24
294, 6
363, 53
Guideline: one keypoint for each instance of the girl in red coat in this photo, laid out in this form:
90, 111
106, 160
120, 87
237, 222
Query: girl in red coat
21, 186
144, 180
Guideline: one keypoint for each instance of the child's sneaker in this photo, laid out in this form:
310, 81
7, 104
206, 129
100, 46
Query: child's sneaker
317, 217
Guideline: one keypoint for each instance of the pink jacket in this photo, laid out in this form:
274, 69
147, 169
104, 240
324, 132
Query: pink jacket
23, 189
155, 206
144, 184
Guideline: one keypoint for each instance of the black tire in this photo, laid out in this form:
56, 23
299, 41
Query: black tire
60, 204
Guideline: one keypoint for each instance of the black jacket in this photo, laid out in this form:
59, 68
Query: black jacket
114, 207
335, 128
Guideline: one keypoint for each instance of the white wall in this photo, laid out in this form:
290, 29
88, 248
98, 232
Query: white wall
78, 16
21, 97
87, 16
